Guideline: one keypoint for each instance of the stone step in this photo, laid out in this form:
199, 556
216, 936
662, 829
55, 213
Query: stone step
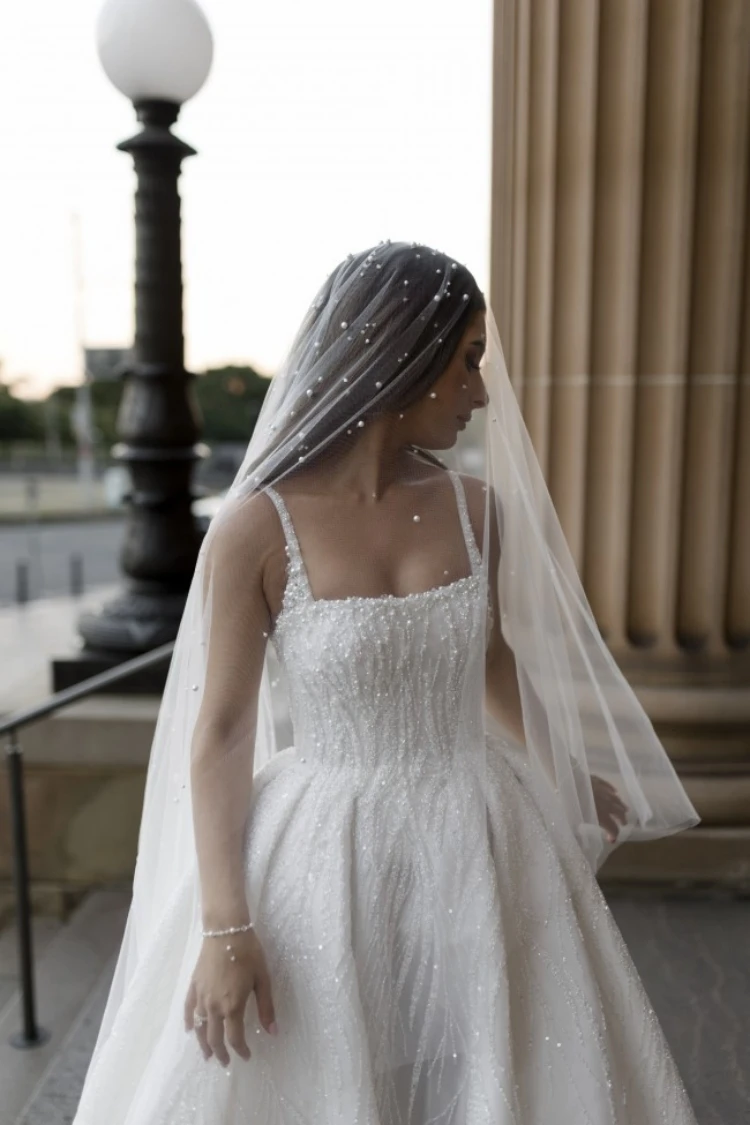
44, 930
55, 1099
72, 968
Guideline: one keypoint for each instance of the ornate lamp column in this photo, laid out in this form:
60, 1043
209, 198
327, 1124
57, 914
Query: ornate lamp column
158, 53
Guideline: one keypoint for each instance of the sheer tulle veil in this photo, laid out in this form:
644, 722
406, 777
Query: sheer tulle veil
378, 334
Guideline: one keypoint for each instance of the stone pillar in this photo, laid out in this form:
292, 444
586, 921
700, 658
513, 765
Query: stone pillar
666, 239
613, 342
716, 289
738, 588
621, 283
534, 348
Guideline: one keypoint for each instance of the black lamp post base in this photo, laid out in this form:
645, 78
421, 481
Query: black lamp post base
137, 620
131, 623
67, 671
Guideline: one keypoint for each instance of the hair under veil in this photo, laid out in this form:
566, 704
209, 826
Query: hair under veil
378, 335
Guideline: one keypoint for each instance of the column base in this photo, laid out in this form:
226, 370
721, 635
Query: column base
697, 858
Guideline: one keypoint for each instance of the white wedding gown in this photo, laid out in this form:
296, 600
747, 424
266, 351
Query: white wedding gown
559, 1028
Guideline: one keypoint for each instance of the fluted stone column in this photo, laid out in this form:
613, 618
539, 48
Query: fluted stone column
621, 282
665, 239
534, 343
613, 354
716, 277
738, 587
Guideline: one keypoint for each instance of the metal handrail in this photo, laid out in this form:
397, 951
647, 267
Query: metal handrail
32, 1035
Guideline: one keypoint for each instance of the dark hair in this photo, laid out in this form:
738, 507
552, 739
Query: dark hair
421, 263
360, 282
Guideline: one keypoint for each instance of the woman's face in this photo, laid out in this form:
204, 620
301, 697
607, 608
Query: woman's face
434, 421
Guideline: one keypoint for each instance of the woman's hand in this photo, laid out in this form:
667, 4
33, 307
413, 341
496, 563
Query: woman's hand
609, 807
220, 989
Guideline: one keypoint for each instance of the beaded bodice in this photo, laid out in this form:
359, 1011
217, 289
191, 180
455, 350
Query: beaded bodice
381, 682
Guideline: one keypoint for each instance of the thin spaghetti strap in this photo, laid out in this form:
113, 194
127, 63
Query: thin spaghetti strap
475, 557
297, 569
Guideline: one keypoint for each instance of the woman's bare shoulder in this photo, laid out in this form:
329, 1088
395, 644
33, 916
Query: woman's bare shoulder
248, 526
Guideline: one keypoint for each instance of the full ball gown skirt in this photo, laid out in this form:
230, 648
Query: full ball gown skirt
533, 1014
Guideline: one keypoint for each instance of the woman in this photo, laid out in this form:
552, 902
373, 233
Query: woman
395, 920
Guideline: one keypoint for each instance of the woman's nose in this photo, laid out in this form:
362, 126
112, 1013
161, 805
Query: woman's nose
480, 397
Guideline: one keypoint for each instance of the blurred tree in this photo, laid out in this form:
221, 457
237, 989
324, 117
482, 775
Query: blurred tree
20, 419
230, 399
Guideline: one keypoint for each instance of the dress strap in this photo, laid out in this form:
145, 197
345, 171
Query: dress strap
296, 569
475, 557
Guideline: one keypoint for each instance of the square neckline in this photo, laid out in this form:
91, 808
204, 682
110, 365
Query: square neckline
295, 557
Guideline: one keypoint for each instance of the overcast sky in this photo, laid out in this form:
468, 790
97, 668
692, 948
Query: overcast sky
324, 127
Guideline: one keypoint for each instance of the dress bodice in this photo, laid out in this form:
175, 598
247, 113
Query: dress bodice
387, 681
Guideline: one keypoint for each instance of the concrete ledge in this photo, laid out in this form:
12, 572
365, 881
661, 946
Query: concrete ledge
63, 515
84, 780
82, 821
103, 731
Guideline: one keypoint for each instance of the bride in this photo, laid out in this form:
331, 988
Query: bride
395, 918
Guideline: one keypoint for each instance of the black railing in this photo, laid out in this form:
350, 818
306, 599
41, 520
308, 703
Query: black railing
31, 1034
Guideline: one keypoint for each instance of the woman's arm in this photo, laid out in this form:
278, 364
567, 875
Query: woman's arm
236, 626
502, 694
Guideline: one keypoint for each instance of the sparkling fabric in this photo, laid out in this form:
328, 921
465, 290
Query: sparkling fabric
547, 1022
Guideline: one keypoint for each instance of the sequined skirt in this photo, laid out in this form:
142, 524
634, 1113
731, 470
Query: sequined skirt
533, 1015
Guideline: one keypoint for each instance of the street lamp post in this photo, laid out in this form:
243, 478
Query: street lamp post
158, 53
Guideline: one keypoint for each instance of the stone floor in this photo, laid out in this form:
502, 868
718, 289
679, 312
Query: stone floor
693, 954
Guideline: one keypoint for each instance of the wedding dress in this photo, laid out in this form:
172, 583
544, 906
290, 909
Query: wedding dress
556, 1026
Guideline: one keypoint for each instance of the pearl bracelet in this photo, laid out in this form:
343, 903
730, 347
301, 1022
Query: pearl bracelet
230, 930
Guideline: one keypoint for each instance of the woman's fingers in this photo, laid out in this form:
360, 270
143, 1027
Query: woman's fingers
234, 1029
610, 827
201, 1034
616, 807
614, 803
190, 1006
619, 810
610, 808
215, 1037
264, 1001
